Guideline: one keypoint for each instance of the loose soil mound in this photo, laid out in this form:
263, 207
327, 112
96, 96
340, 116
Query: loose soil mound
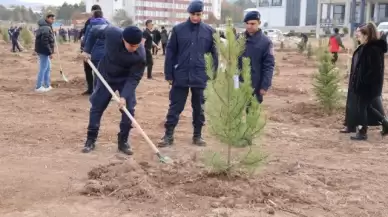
184, 181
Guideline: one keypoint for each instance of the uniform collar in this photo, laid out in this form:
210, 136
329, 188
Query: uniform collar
256, 34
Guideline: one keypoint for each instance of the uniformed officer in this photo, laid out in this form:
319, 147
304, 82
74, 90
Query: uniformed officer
259, 49
122, 66
185, 70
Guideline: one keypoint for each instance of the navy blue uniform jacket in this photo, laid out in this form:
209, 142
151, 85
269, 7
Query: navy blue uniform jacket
185, 54
259, 49
97, 48
118, 66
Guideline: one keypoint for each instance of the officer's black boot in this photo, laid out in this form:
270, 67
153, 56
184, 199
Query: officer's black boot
123, 145
90, 143
361, 134
168, 138
197, 137
384, 130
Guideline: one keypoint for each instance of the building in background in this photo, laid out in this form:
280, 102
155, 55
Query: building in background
288, 13
162, 12
350, 13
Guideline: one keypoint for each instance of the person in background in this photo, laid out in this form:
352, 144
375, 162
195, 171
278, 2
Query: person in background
184, 70
44, 47
156, 38
335, 43
149, 44
88, 71
15, 38
94, 45
366, 82
164, 39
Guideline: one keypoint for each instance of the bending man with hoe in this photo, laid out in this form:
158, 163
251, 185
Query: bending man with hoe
122, 66
185, 70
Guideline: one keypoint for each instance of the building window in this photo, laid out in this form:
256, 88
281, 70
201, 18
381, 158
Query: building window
264, 3
339, 13
276, 3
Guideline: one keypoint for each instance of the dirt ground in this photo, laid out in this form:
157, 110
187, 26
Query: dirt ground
311, 171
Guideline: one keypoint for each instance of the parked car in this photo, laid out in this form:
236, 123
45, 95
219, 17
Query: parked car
383, 28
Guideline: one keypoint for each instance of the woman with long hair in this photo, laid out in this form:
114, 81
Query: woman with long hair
364, 105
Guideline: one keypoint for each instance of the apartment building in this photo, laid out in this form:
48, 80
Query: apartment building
162, 12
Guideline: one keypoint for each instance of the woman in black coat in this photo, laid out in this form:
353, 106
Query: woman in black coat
364, 106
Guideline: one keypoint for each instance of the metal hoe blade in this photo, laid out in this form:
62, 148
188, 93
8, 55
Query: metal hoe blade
63, 76
164, 159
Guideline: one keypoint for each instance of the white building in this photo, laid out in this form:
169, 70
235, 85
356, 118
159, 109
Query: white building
165, 12
283, 13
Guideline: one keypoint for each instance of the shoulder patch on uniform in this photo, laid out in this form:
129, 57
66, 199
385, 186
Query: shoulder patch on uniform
271, 49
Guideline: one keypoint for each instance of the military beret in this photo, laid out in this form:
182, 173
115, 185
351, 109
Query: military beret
195, 6
132, 35
252, 15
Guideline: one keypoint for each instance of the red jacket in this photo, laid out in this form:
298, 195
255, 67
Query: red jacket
334, 45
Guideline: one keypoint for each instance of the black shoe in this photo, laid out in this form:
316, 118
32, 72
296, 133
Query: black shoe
168, 138
359, 137
90, 144
199, 141
348, 130
88, 92
384, 126
123, 145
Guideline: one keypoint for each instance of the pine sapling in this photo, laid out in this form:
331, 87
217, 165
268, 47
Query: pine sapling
301, 47
327, 83
234, 116
27, 37
309, 51
4, 34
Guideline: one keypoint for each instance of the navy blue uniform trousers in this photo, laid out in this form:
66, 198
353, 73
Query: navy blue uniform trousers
100, 100
178, 98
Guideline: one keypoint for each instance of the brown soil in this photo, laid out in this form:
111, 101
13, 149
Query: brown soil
311, 169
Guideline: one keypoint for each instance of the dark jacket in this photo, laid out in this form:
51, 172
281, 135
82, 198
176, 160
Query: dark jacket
156, 36
259, 49
95, 47
44, 40
367, 75
185, 54
118, 66
164, 36
82, 33
360, 62
16, 34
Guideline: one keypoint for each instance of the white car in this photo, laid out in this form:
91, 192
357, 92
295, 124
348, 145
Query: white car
275, 34
383, 27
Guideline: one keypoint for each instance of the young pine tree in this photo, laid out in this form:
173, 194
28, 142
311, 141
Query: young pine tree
326, 83
4, 34
27, 37
309, 51
227, 100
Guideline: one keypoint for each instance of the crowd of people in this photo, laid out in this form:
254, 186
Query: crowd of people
123, 54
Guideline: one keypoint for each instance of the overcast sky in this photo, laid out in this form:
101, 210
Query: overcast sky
54, 2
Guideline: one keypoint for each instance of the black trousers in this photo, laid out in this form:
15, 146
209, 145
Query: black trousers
15, 45
365, 107
164, 48
334, 58
178, 97
89, 77
150, 63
